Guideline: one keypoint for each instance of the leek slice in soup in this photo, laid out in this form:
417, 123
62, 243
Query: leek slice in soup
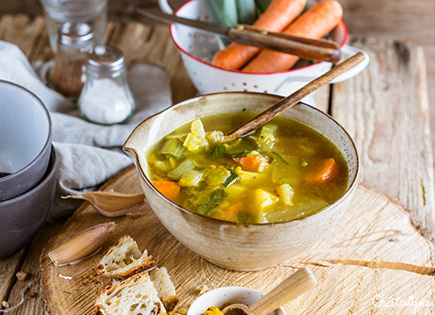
280, 172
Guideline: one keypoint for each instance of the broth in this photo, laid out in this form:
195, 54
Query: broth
280, 172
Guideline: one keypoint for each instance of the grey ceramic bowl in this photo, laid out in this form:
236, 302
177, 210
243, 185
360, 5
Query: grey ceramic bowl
22, 216
25, 140
227, 244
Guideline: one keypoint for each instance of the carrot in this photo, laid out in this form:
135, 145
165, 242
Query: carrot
167, 188
252, 163
231, 211
325, 171
277, 16
315, 23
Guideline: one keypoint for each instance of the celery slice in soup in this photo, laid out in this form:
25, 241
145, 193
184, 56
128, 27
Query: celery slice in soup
174, 147
217, 151
247, 217
215, 198
231, 179
215, 136
185, 166
152, 158
217, 176
240, 146
266, 140
190, 178
164, 166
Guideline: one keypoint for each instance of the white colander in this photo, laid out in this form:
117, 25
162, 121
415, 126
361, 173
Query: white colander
197, 49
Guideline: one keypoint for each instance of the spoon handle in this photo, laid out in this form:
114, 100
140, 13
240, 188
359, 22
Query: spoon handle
295, 285
294, 98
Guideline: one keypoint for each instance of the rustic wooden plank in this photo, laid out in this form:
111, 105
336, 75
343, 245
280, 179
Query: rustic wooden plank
321, 98
8, 267
134, 39
41, 49
22, 31
385, 109
152, 44
27, 291
380, 255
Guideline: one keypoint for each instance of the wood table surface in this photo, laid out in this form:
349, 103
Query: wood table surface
385, 110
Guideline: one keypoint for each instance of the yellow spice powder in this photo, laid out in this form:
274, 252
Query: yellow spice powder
213, 310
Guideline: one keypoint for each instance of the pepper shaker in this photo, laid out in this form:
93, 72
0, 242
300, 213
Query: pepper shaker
106, 97
75, 43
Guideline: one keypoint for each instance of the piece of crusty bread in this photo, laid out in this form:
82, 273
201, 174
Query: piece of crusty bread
133, 296
124, 259
165, 288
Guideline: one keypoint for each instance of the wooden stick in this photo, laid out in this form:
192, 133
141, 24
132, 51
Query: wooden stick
298, 283
294, 98
313, 49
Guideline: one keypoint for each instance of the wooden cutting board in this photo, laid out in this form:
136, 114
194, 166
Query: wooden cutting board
374, 262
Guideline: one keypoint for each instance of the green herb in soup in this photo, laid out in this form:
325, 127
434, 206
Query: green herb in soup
280, 172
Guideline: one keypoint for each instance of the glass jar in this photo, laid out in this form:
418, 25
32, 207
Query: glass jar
59, 12
68, 74
106, 97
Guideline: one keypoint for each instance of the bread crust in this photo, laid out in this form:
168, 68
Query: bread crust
170, 303
145, 265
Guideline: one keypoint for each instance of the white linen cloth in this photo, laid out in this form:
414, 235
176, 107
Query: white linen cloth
88, 153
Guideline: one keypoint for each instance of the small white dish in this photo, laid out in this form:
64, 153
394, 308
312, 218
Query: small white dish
224, 296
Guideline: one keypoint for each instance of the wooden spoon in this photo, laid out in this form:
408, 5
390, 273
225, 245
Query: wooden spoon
294, 98
295, 285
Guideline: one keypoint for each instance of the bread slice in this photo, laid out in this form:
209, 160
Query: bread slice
133, 296
165, 288
124, 259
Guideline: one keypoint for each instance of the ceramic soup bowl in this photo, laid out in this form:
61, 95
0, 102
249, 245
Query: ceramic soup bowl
227, 244
25, 140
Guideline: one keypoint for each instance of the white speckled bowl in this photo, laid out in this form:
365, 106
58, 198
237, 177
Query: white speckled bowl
198, 48
227, 244
227, 295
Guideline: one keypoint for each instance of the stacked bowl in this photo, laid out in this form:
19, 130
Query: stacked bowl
27, 166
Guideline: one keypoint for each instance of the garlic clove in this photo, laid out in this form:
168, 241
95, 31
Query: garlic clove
82, 245
111, 204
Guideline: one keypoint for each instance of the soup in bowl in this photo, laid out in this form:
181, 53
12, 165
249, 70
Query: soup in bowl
254, 202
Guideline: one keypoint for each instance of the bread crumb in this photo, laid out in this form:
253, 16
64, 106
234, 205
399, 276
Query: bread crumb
5, 304
31, 295
21, 275
137, 215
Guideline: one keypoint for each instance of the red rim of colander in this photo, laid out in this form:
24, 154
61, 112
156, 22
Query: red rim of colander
344, 42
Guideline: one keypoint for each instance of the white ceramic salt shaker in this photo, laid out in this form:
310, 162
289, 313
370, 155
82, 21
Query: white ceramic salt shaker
106, 98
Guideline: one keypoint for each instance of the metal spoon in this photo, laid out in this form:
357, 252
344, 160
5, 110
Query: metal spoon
294, 98
295, 285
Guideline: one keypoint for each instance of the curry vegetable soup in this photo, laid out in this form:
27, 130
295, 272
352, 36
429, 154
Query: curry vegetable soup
281, 172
